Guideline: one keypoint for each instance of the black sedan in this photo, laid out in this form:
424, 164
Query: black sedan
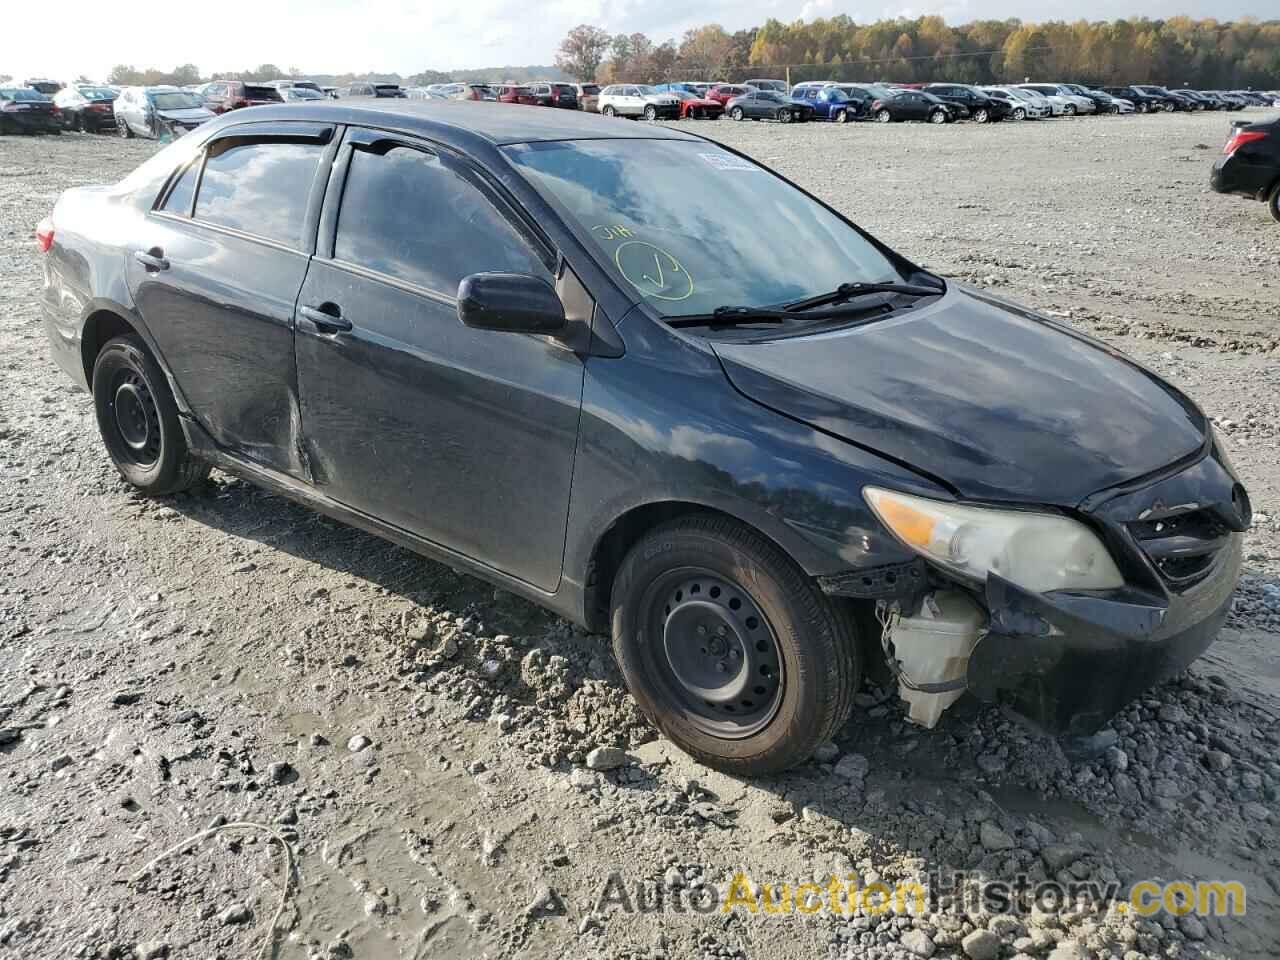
591, 383
972, 103
27, 110
904, 104
87, 107
768, 105
1250, 163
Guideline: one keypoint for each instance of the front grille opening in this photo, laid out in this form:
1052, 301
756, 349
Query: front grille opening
1181, 546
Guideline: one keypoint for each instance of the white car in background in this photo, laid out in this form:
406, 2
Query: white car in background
1072, 104
638, 100
1034, 106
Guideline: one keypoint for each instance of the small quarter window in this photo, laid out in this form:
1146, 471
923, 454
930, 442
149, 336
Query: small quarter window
184, 191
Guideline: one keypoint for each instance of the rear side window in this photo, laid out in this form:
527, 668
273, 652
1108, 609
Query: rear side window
183, 192
260, 187
408, 215
262, 93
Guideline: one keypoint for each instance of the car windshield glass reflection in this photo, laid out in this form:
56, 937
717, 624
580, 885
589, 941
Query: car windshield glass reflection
173, 101
693, 227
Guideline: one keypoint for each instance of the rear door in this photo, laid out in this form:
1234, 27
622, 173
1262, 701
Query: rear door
215, 274
463, 437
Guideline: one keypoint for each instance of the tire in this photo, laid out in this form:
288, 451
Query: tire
76, 123
785, 691
1140, 107
981, 115
608, 110
123, 128
938, 116
737, 113
842, 116
883, 116
1019, 113
1069, 110
651, 112
1273, 203
784, 116
138, 420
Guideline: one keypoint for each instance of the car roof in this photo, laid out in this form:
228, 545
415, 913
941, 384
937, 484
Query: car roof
460, 120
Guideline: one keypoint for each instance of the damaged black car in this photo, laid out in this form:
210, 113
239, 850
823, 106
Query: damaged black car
552, 351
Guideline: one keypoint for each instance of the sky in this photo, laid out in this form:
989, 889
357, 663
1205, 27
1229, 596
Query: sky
407, 36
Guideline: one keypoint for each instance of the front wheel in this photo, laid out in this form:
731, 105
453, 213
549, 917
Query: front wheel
784, 116
842, 116
883, 116
737, 113
138, 420
729, 648
1019, 113
1273, 204
938, 116
123, 128
651, 112
981, 115
1069, 109
608, 110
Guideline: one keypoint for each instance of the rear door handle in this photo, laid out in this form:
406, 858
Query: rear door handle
152, 259
326, 321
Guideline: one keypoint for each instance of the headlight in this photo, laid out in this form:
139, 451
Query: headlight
1036, 551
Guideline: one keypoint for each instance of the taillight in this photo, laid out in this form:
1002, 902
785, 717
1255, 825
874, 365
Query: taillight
44, 235
1240, 138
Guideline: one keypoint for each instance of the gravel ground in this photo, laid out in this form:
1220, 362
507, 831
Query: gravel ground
456, 773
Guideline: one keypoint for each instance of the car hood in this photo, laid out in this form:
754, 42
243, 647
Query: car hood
187, 113
984, 396
658, 98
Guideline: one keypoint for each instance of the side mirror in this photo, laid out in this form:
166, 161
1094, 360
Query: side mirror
510, 302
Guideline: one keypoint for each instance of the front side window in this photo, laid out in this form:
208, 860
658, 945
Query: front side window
259, 187
665, 216
407, 214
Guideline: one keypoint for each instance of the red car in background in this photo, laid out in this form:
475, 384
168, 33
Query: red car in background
223, 95
722, 93
512, 93
694, 107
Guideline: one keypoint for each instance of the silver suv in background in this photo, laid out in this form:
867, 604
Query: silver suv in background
158, 112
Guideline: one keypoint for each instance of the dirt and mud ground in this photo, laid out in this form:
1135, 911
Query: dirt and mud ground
420, 742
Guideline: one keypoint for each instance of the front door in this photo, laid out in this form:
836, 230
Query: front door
215, 273
464, 437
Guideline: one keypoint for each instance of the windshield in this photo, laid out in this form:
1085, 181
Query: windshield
680, 222
304, 93
23, 93
173, 101
646, 91
97, 93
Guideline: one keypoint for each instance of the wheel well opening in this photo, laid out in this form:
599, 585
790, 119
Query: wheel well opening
100, 328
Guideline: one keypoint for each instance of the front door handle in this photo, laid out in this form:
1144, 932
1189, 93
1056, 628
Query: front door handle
152, 259
326, 318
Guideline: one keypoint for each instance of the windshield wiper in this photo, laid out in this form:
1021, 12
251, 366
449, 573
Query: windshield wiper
730, 316
847, 291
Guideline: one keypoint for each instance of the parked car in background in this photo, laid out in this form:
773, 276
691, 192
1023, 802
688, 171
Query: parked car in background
1232, 101
1168, 99
589, 97
517, 93
1142, 102
638, 100
724, 92
859, 94
694, 107
156, 112
223, 95
1072, 104
830, 103
778, 86
301, 93
380, 91
47, 87
27, 110
1022, 104
976, 105
564, 95
474, 91
900, 103
422, 93
1250, 163
303, 84
768, 105
87, 106
1102, 102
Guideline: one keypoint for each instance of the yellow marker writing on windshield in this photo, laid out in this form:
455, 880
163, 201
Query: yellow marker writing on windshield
653, 271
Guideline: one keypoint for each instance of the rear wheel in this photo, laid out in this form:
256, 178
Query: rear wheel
737, 113
729, 648
1019, 113
938, 116
784, 116
138, 420
651, 112
842, 116
123, 128
1069, 109
1141, 108
883, 116
981, 115
1273, 204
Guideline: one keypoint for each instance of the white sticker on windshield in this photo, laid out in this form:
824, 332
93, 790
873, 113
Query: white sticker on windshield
727, 161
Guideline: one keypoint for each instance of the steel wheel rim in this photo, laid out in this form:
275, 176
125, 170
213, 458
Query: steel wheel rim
136, 418
717, 654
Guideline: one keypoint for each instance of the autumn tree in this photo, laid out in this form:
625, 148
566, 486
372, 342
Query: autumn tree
582, 51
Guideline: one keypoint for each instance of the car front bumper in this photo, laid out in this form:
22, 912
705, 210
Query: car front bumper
1071, 660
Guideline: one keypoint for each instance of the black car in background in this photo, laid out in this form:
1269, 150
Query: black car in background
975, 104
1171, 100
1250, 163
1142, 102
87, 106
900, 103
768, 105
552, 350
27, 110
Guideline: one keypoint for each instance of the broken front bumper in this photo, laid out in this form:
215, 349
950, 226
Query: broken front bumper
1070, 661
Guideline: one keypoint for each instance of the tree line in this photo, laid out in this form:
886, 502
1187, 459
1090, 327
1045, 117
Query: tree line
1207, 54
127, 75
